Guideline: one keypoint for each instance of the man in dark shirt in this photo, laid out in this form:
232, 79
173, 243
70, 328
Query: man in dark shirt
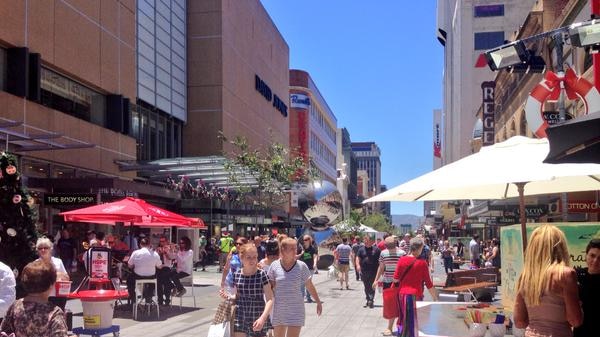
589, 291
355, 247
67, 249
367, 261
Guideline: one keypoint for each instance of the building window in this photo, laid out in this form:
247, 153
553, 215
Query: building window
484, 11
157, 134
2, 69
488, 40
63, 94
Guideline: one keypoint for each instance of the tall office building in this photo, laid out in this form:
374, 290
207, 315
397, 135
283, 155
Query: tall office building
346, 172
466, 29
160, 112
368, 159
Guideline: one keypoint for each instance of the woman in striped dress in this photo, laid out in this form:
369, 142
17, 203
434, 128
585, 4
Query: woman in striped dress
411, 288
387, 266
287, 275
254, 296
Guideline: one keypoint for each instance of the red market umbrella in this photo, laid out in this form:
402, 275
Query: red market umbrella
130, 211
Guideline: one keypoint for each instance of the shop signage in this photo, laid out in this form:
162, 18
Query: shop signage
487, 89
437, 143
582, 206
266, 92
299, 101
553, 117
116, 192
70, 199
530, 211
99, 264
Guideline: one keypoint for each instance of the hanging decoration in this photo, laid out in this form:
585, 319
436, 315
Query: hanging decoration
201, 190
549, 90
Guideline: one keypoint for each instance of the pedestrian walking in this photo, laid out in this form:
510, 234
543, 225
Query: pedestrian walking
388, 261
226, 244
475, 250
342, 258
309, 256
272, 248
253, 295
411, 287
547, 302
286, 275
367, 261
589, 291
355, 247
447, 256
232, 263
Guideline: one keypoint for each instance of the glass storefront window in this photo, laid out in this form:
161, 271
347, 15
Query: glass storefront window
62, 172
34, 168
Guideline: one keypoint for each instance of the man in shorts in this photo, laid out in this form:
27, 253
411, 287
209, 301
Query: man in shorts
342, 258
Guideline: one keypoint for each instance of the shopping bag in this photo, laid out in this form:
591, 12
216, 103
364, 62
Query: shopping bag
219, 330
223, 313
390, 302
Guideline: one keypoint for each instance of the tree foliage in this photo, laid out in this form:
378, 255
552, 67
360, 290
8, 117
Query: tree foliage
274, 170
379, 222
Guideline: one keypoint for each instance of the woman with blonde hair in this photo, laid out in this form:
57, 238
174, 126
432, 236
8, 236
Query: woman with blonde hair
44, 249
547, 302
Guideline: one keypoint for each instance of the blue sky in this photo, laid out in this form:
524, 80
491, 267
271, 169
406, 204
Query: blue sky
379, 67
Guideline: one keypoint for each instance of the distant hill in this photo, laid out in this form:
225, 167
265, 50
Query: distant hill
414, 220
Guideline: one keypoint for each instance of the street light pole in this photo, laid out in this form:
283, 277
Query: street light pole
560, 71
596, 57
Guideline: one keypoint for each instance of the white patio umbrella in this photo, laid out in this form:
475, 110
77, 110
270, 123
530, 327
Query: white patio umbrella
513, 168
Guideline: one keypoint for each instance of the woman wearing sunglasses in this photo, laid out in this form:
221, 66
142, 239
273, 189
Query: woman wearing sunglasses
232, 263
44, 250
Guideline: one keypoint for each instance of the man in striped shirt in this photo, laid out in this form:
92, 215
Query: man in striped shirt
388, 260
342, 258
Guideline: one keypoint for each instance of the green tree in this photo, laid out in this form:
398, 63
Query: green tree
274, 170
350, 227
378, 222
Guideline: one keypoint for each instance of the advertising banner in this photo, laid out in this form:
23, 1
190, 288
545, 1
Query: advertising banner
99, 264
511, 247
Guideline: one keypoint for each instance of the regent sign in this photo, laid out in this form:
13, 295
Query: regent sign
488, 89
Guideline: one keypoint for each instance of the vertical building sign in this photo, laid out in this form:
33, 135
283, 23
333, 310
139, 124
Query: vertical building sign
487, 89
437, 138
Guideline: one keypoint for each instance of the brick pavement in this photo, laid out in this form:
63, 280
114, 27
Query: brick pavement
343, 313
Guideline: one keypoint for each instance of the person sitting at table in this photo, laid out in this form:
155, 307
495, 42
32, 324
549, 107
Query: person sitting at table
184, 260
166, 253
143, 262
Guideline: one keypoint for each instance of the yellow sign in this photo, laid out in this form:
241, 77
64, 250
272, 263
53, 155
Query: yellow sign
91, 321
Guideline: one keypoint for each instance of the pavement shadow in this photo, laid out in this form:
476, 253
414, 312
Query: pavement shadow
125, 312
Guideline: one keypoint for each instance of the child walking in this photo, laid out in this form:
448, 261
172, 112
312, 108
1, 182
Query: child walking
254, 297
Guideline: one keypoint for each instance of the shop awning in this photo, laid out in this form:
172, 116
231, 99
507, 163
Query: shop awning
28, 138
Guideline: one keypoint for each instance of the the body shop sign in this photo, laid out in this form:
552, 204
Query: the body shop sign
488, 89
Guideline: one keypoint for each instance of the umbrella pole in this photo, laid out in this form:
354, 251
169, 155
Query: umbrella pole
522, 217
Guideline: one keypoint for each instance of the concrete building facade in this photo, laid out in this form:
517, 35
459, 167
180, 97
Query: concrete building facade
466, 29
238, 77
67, 71
313, 125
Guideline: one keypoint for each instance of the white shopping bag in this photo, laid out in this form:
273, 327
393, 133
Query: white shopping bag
219, 330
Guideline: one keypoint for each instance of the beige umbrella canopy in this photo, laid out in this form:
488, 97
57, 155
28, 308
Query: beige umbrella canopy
513, 168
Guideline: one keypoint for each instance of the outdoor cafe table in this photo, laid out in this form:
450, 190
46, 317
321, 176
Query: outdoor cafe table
440, 319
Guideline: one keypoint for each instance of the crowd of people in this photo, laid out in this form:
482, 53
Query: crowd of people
270, 280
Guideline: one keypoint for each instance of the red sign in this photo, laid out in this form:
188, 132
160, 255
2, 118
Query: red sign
582, 206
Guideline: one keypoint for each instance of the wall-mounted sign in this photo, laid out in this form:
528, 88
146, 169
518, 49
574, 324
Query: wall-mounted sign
299, 101
70, 199
553, 117
487, 89
266, 92
437, 142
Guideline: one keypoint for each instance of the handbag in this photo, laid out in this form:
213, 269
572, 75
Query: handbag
219, 330
390, 297
224, 311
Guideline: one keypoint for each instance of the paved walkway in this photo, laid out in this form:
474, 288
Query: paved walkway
343, 313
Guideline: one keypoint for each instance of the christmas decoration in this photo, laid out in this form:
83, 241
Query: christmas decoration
549, 90
17, 221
